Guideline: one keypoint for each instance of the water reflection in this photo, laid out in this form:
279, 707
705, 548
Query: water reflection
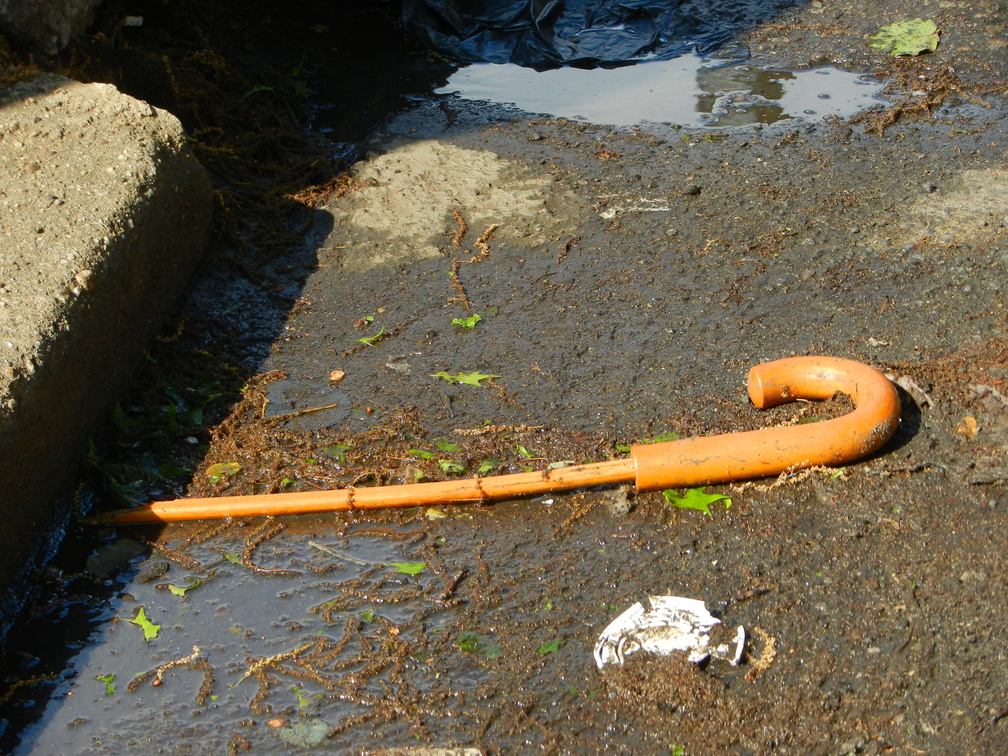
686, 91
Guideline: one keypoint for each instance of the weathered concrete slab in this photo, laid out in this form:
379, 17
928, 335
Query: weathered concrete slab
104, 213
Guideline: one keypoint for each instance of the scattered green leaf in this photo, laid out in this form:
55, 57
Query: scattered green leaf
304, 733
223, 468
469, 642
181, 590
368, 614
467, 323
286, 482
448, 446
546, 607
256, 89
472, 379
450, 466
523, 452
409, 568
549, 648
337, 451
118, 416
233, 557
695, 498
472, 643
169, 470
372, 340
661, 438
906, 37
487, 465
421, 453
109, 681
150, 630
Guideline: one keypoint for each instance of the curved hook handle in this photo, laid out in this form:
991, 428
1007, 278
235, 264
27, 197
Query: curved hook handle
771, 451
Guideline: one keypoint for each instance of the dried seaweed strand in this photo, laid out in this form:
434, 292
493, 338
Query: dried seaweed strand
463, 228
255, 539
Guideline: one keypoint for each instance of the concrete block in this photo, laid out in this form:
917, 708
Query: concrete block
104, 216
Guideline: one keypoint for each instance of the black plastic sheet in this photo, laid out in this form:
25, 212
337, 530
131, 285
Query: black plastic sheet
551, 33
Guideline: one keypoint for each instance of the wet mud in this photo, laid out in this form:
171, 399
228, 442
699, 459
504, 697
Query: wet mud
625, 279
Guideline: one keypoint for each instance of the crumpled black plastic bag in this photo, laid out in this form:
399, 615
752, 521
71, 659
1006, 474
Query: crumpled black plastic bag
551, 33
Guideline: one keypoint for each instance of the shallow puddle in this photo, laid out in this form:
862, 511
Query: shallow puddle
686, 91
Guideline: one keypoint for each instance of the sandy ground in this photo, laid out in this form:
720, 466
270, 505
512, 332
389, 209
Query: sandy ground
626, 281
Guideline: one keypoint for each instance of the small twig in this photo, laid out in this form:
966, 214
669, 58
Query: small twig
337, 554
298, 413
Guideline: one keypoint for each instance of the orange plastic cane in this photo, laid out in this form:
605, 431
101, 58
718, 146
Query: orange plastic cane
651, 467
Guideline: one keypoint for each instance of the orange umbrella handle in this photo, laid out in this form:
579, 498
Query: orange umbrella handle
771, 451
652, 467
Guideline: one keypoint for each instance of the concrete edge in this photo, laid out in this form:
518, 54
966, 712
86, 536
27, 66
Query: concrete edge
104, 216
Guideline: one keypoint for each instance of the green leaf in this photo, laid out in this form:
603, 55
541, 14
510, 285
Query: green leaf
906, 37
368, 614
469, 642
472, 643
450, 466
549, 648
256, 89
487, 465
421, 453
337, 451
409, 568
150, 630
467, 323
118, 416
169, 470
181, 590
661, 438
372, 340
109, 681
234, 557
448, 446
304, 733
522, 451
223, 468
472, 379
695, 498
